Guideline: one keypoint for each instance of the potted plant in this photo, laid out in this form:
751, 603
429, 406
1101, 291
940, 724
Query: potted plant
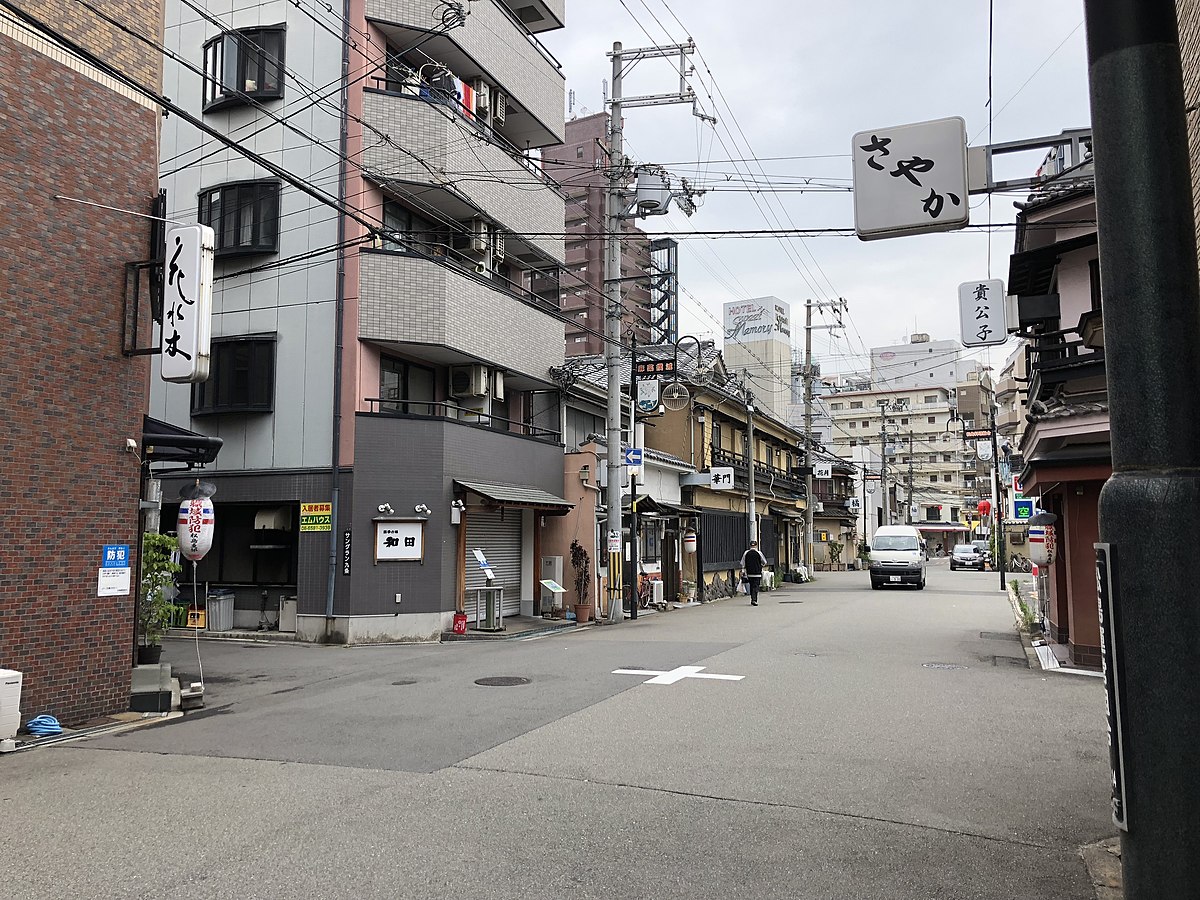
155, 610
581, 563
835, 549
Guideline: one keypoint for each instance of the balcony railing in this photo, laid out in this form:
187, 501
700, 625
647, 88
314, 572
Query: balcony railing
452, 412
763, 471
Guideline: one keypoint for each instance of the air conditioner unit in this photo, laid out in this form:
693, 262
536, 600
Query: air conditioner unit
482, 96
480, 236
468, 381
498, 245
499, 104
498, 384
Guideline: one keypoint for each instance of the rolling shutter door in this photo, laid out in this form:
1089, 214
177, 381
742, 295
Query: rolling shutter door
500, 541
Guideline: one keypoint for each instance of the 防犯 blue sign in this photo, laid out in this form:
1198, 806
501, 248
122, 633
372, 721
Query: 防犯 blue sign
114, 556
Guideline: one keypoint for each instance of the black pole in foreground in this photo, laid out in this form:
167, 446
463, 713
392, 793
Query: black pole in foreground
1148, 508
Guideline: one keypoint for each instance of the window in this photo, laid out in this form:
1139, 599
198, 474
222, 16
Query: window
931, 398
853, 424
241, 378
856, 404
933, 478
945, 457
933, 513
866, 423
579, 152
933, 420
904, 421
947, 478
408, 231
243, 66
853, 443
244, 216
581, 338
836, 407
954, 514
400, 381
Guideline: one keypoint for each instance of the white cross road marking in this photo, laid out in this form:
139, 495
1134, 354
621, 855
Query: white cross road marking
677, 674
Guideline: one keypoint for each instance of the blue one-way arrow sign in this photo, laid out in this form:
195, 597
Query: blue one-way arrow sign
633, 456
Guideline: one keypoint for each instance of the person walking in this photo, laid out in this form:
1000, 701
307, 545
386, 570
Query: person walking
752, 570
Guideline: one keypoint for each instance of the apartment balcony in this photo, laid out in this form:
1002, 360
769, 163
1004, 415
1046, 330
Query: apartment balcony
493, 45
455, 316
1009, 420
519, 195
781, 479
540, 15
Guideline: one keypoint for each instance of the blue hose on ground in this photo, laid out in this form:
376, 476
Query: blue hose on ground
43, 726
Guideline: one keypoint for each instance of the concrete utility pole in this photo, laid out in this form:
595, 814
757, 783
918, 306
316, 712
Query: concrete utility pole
1150, 632
883, 488
612, 330
751, 511
838, 306
910, 477
614, 212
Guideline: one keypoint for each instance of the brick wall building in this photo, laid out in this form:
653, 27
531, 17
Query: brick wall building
70, 398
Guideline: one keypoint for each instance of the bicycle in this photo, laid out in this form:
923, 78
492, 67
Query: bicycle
1018, 563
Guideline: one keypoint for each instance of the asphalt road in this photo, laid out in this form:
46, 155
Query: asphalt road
881, 744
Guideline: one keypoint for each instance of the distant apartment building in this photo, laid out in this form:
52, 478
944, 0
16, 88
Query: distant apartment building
920, 363
385, 318
649, 267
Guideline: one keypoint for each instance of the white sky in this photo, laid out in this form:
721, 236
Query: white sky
801, 78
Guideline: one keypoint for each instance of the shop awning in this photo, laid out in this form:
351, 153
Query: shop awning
941, 526
518, 495
648, 505
164, 442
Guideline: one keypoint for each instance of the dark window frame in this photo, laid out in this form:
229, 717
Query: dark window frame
405, 403
245, 385
232, 207
226, 78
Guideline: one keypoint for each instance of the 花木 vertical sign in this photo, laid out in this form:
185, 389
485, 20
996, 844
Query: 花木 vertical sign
187, 304
910, 179
981, 313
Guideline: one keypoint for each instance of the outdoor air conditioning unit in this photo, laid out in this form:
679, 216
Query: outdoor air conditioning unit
468, 381
482, 96
480, 236
498, 384
499, 103
498, 245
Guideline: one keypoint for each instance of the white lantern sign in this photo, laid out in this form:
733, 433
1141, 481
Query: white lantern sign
195, 528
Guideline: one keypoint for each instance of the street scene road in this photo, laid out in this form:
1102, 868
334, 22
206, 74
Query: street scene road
889, 744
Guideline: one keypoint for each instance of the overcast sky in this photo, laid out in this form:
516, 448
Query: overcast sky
801, 78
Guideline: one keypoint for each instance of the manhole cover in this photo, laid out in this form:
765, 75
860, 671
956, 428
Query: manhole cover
942, 666
791, 601
403, 682
999, 636
502, 681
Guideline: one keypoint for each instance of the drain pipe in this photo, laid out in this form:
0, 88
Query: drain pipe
339, 327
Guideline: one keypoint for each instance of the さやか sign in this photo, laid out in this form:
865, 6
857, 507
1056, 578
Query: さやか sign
187, 304
910, 179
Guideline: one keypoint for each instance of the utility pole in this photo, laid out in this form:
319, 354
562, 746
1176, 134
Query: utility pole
1150, 628
883, 488
614, 213
751, 511
996, 486
910, 477
634, 441
838, 306
612, 330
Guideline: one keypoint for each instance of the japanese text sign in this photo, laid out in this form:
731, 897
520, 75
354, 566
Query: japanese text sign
652, 368
721, 478
910, 179
399, 541
822, 470
316, 516
981, 313
187, 304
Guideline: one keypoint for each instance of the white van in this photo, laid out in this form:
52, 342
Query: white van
897, 556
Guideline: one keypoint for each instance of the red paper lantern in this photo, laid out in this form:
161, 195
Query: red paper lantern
985, 507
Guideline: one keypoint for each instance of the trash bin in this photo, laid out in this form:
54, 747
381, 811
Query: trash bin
220, 609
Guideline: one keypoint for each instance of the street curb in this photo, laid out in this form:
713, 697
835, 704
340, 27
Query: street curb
70, 736
264, 637
1103, 861
1031, 656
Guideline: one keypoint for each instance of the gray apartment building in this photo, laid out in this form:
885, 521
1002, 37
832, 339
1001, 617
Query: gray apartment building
385, 304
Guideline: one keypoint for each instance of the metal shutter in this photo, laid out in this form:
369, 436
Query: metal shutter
500, 541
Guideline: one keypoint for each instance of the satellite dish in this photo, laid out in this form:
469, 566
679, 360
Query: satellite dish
675, 396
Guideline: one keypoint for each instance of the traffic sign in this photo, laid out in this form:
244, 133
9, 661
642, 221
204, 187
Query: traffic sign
633, 456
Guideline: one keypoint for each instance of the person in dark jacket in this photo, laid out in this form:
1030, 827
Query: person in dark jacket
752, 570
